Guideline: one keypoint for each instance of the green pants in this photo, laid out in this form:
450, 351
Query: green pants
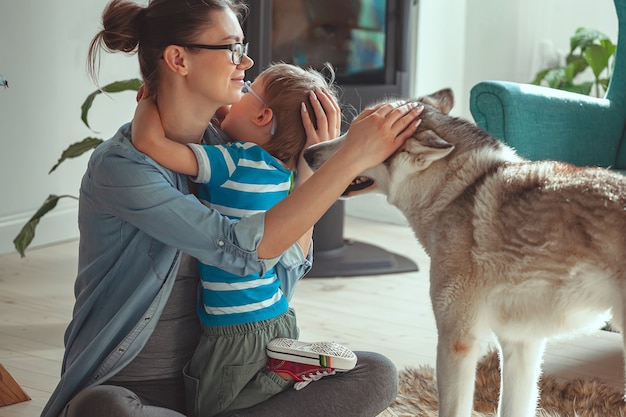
227, 371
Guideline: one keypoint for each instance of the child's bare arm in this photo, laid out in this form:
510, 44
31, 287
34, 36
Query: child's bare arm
148, 137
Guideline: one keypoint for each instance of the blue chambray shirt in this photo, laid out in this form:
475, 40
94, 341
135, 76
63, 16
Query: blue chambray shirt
135, 219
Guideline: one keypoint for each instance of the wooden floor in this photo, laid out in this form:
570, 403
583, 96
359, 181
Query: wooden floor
390, 314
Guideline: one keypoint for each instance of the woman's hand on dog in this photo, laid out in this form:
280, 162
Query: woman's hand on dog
379, 131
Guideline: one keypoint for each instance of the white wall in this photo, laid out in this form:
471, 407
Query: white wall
43, 53
512, 40
43, 49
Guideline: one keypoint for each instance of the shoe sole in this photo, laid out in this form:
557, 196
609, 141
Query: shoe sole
325, 354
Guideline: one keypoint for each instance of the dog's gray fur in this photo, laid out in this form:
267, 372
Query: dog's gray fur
523, 250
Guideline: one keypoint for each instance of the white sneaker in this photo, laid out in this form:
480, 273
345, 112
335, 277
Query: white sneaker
325, 354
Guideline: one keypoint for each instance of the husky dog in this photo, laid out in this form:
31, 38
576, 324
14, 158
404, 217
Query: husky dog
520, 249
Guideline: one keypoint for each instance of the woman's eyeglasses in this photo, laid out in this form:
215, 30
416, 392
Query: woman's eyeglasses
248, 89
237, 49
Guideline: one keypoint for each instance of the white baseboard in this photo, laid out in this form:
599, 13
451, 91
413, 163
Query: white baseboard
58, 225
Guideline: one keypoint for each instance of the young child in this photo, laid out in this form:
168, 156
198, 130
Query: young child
248, 351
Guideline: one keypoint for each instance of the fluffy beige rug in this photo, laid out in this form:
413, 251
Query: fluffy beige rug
576, 398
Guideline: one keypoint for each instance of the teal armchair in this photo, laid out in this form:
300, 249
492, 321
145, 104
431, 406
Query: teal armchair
544, 123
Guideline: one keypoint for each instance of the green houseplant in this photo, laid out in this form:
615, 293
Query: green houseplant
27, 233
589, 48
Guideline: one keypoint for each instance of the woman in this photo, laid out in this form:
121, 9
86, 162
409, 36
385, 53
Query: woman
134, 324
243, 316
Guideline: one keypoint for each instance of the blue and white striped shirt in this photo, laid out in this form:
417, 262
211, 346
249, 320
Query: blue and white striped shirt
240, 179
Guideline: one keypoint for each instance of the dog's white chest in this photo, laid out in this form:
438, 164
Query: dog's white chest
546, 306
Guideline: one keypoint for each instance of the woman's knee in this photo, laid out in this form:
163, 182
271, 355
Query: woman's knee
381, 369
104, 401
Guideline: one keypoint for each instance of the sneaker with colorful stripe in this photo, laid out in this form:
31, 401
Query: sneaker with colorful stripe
301, 373
322, 354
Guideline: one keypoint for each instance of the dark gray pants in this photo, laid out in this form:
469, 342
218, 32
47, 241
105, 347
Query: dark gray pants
365, 391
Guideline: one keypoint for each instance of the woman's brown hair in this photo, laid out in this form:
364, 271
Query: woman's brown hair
147, 31
285, 88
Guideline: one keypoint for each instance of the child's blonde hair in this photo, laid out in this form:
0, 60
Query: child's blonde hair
285, 87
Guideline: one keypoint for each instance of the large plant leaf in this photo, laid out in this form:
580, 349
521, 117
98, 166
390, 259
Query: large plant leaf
598, 58
575, 67
556, 77
77, 149
585, 37
540, 76
115, 87
609, 46
26, 235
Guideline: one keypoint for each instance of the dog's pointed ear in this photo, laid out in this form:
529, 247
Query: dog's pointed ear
443, 100
427, 147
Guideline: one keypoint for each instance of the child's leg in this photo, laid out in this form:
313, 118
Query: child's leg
227, 371
365, 391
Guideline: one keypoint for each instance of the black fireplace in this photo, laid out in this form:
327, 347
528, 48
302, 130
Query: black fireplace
366, 42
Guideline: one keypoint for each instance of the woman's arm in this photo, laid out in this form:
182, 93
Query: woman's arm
149, 138
373, 136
